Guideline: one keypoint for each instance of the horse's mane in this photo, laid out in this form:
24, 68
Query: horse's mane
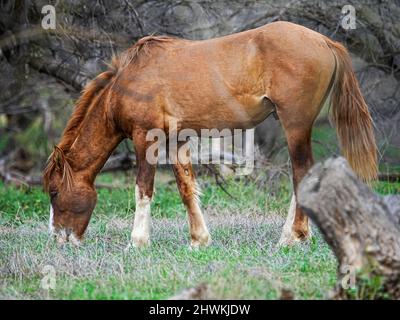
57, 158
142, 46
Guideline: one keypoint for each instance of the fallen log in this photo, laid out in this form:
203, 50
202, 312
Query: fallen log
121, 161
389, 177
17, 180
12, 176
362, 228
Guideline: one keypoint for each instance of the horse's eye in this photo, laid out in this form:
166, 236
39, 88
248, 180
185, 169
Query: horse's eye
53, 194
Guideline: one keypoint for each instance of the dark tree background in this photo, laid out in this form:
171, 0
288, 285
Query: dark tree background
43, 71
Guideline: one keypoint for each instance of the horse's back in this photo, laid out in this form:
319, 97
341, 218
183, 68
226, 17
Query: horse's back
221, 82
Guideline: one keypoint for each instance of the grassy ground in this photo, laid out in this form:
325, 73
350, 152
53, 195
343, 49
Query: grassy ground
241, 263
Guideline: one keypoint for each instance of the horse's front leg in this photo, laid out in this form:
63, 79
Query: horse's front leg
143, 192
190, 193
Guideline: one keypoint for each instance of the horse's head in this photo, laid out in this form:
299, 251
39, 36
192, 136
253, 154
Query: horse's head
72, 198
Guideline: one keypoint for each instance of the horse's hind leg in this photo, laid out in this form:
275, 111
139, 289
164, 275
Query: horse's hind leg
143, 192
298, 137
189, 191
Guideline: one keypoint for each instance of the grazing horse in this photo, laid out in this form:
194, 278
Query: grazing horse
231, 82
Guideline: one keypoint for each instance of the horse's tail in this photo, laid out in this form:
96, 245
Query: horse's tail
350, 114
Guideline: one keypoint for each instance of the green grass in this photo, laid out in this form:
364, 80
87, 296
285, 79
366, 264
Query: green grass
385, 188
324, 142
242, 262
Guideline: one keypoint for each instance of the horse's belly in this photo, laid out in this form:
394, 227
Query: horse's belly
243, 113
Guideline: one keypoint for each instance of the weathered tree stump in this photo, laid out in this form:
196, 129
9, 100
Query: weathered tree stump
362, 228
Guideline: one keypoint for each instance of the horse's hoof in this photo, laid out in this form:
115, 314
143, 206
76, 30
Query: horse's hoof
200, 242
288, 241
292, 238
138, 242
133, 246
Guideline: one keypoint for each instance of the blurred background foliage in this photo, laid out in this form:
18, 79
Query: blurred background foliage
43, 71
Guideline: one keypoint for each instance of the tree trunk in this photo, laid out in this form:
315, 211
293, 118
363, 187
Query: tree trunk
362, 228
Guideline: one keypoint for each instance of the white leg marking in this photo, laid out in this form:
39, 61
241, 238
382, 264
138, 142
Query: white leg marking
74, 240
198, 228
141, 225
62, 236
286, 236
51, 220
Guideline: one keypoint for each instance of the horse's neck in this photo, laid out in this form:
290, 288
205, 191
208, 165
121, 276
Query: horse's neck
93, 145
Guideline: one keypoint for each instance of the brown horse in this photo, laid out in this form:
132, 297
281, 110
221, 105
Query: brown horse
234, 81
